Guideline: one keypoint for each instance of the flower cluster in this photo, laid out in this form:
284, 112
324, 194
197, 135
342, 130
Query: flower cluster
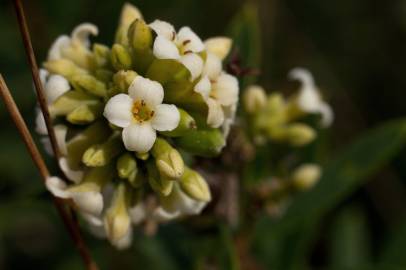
274, 118
126, 115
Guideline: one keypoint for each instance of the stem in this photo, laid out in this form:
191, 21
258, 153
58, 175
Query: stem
35, 75
44, 172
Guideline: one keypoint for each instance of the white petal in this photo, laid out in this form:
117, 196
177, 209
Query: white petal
165, 49
212, 66
164, 29
46, 144
327, 115
149, 91
193, 63
162, 215
61, 42
219, 46
82, 32
97, 230
40, 126
118, 110
166, 117
139, 137
60, 134
75, 176
226, 89
304, 76
181, 202
43, 74
137, 213
189, 40
215, 117
89, 202
57, 187
309, 100
229, 117
93, 220
203, 87
55, 86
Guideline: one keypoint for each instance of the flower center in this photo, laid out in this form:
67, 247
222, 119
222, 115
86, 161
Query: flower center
141, 112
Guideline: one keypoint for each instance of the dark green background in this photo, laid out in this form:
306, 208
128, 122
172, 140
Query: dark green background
357, 52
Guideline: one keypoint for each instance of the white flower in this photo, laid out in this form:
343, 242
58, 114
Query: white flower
80, 35
309, 99
86, 196
179, 202
220, 91
141, 113
219, 46
54, 86
182, 46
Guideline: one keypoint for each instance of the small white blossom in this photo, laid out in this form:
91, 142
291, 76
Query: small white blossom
309, 99
141, 113
182, 46
219, 46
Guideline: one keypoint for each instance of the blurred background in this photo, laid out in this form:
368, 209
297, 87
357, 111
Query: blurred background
354, 220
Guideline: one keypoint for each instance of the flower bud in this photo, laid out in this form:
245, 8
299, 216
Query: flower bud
206, 143
194, 185
89, 84
101, 55
300, 134
129, 13
254, 99
127, 169
70, 101
140, 41
64, 67
158, 183
186, 123
123, 79
120, 57
104, 75
78, 53
168, 70
117, 220
101, 154
167, 159
85, 114
220, 46
306, 176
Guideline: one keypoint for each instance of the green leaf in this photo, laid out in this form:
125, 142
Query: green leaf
394, 252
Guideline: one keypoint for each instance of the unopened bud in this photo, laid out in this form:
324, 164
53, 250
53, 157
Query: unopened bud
127, 169
129, 13
120, 57
206, 143
102, 154
140, 41
64, 67
123, 79
117, 220
70, 101
157, 182
101, 55
85, 114
300, 134
254, 99
306, 176
167, 159
90, 84
220, 46
194, 185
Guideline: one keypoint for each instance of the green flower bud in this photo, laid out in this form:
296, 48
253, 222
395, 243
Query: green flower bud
89, 84
129, 14
159, 184
186, 123
64, 67
123, 79
142, 156
140, 41
167, 70
194, 185
120, 57
127, 169
85, 114
117, 221
306, 176
254, 99
101, 154
103, 75
206, 143
78, 54
101, 55
167, 159
70, 101
300, 134
97, 132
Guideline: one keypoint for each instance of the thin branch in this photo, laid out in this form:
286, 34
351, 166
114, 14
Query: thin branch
44, 172
35, 75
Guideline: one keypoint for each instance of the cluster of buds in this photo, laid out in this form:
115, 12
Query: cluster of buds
125, 117
274, 118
